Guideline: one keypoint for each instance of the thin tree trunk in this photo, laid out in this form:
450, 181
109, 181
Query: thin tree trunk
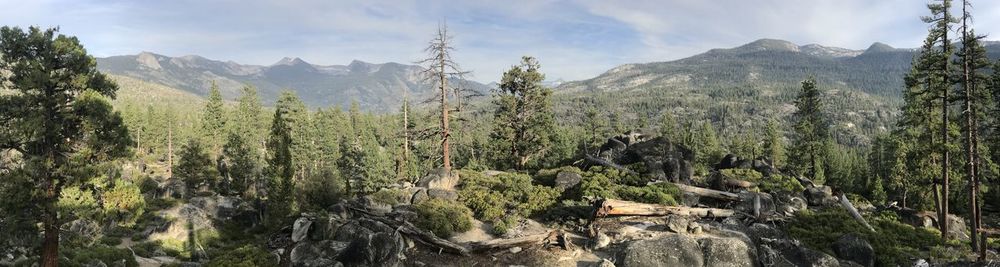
50, 243
445, 149
170, 152
945, 157
970, 164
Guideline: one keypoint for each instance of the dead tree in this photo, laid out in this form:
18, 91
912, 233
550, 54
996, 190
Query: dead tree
440, 67
614, 207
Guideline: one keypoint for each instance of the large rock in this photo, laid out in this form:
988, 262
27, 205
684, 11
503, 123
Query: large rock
317, 253
300, 229
791, 253
439, 179
419, 195
442, 194
746, 203
820, 196
664, 160
852, 248
371, 243
669, 250
566, 180
324, 228
185, 220
727, 252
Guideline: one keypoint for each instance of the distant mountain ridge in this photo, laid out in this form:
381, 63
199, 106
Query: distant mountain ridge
376, 87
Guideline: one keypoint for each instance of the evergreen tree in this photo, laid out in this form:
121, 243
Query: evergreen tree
195, 168
974, 63
774, 147
237, 166
597, 128
811, 131
939, 70
213, 120
523, 119
281, 169
669, 128
56, 116
250, 123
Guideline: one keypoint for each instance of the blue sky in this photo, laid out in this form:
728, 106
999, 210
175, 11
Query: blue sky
572, 39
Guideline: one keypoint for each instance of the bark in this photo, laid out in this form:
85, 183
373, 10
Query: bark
443, 81
509, 242
50, 243
945, 157
970, 151
613, 207
854, 212
705, 192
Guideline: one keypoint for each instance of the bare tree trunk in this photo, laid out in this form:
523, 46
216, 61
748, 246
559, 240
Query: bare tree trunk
445, 132
945, 157
50, 243
170, 152
970, 151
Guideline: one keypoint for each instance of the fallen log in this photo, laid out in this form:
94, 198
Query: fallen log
854, 212
605, 163
500, 243
705, 192
614, 207
408, 229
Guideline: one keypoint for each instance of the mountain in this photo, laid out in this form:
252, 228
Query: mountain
741, 88
376, 87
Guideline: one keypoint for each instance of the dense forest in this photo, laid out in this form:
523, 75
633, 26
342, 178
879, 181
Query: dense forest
108, 170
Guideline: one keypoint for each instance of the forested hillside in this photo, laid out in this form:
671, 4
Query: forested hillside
768, 154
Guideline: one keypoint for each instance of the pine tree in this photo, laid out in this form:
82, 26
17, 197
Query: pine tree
596, 127
774, 147
237, 166
57, 117
811, 131
523, 120
195, 168
973, 59
213, 120
281, 169
939, 72
669, 128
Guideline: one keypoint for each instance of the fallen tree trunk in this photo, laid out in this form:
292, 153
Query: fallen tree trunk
854, 212
509, 242
416, 233
605, 163
614, 207
705, 192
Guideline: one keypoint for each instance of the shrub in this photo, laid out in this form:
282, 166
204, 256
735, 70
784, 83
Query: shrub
124, 203
111, 241
245, 256
388, 196
443, 218
894, 242
773, 183
503, 195
658, 193
320, 191
106, 254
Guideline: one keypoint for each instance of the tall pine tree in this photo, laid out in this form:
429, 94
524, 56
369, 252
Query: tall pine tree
523, 120
811, 131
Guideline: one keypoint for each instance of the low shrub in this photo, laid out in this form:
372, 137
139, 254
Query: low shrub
658, 193
245, 256
388, 196
773, 183
895, 243
442, 217
111, 240
106, 254
508, 196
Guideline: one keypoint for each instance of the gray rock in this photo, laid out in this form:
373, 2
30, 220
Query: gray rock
746, 203
602, 240
606, 263
324, 228
515, 250
566, 180
321, 253
669, 250
853, 248
442, 194
419, 195
677, 224
728, 252
300, 229
439, 179
820, 196
379, 249
791, 253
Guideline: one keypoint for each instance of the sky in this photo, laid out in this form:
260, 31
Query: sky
572, 40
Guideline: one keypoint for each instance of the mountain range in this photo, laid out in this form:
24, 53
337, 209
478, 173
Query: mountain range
376, 87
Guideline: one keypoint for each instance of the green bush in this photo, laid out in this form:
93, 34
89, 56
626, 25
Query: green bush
773, 183
895, 243
658, 193
320, 191
547, 177
505, 196
111, 240
106, 254
245, 256
442, 217
388, 196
